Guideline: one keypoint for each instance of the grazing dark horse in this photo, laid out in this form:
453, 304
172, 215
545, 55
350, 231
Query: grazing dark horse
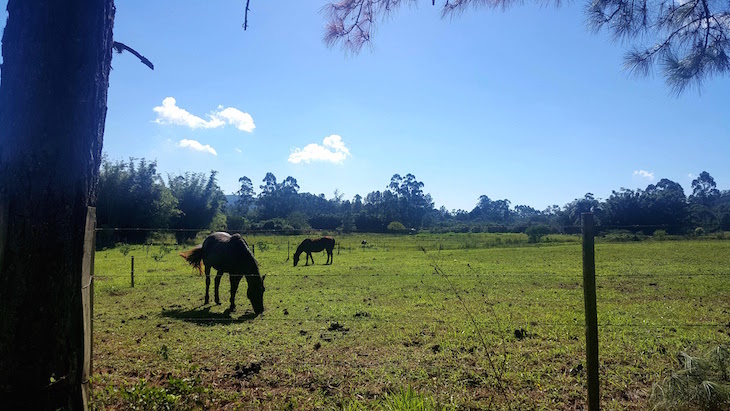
315, 245
228, 254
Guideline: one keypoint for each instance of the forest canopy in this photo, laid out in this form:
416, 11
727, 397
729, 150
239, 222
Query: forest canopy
132, 194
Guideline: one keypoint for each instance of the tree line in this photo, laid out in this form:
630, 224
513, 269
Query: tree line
132, 194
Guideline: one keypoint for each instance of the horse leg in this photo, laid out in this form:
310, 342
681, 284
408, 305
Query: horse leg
306, 260
329, 257
235, 279
217, 284
207, 282
312, 257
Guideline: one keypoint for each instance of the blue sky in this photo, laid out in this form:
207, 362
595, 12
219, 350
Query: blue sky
527, 104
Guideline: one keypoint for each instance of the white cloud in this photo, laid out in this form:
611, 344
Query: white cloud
170, 113
332, 150
195, 145
238, 150
235, 117
690, 175
644, 174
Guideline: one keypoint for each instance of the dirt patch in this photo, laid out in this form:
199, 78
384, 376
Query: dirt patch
246, 371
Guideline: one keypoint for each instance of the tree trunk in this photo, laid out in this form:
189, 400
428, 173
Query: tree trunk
55, 76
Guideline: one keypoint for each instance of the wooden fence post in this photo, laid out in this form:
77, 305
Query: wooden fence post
132, 271
87, 301
589, 297
287, 250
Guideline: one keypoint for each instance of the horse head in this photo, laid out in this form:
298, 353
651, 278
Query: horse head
296, 259
255, 294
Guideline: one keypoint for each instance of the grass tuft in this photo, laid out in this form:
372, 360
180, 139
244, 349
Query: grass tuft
702, 384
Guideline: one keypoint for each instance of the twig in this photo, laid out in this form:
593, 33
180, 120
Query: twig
497, 373
120, 47
245, 16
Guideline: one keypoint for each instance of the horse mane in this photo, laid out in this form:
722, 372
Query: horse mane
241, 243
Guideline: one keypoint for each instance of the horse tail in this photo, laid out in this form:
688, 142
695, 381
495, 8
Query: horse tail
194, 257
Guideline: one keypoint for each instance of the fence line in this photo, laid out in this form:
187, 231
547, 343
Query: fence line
374, 318
598, 225
463, 275
354, 318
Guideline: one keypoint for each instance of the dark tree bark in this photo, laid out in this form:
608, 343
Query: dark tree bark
55, 76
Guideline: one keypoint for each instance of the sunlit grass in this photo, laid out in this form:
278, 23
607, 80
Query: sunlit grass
380, 321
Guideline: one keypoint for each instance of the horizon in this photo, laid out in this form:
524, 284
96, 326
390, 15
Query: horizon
541, 119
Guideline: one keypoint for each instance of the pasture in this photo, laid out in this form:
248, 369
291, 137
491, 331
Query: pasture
453, 321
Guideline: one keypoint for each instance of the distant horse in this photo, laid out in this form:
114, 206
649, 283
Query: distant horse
228, 254
315, 245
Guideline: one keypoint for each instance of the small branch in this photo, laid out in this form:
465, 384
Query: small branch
245, 16
120, 47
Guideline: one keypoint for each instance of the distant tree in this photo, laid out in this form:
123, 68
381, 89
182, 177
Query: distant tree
325, 222
270, 186
497, 211
356, 203
701, 216
298, 220
623, 208
277, 200
689, 39
704, 190
722, 210
526, 212
133, 195
410, 201
200, 201
246, 196
571, 213
337, 196
665, 204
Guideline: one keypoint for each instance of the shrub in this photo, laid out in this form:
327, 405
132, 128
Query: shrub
123, 248
397, 227
623, 236
699, 231
536, 232
161, 237
660, 234
298, 220
237, 223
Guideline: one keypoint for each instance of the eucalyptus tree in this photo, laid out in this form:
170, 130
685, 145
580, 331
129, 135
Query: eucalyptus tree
704, 190
246, 197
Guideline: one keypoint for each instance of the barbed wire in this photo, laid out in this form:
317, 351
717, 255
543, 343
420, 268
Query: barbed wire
505, 229
166, 313
577, 276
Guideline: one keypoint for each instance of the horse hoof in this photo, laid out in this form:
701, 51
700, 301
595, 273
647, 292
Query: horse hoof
217, 303
232, 309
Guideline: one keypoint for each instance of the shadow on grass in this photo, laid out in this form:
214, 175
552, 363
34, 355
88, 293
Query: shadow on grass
203, 316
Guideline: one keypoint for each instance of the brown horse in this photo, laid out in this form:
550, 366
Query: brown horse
228, 254
315, 245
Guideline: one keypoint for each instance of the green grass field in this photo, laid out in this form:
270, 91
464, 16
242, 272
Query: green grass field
501, 328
